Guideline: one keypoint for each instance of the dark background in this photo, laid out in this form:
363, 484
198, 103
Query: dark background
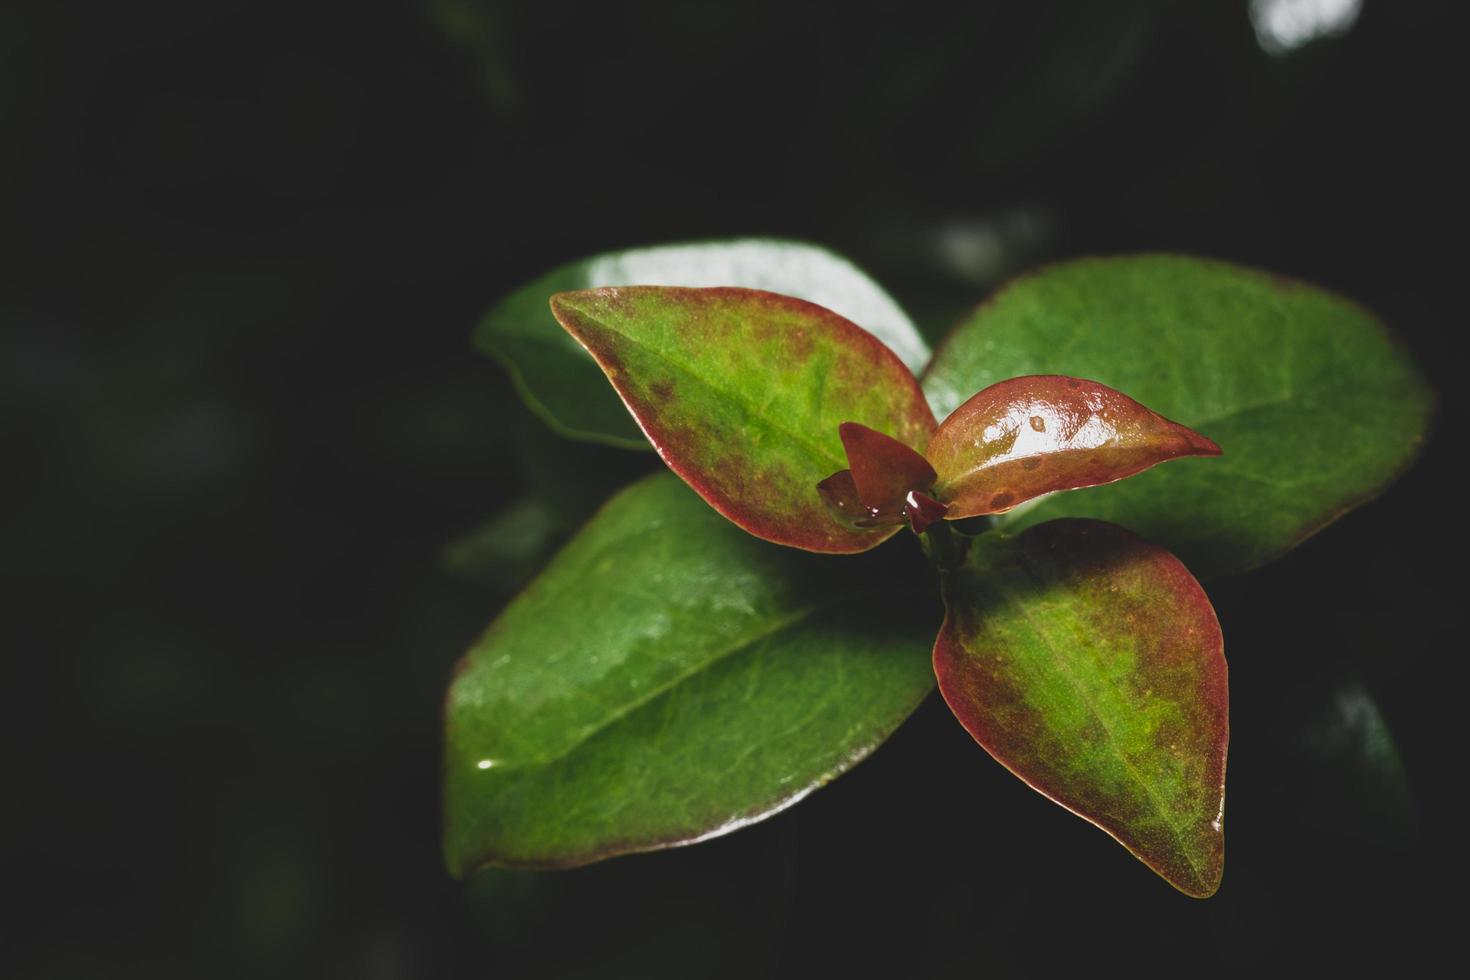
241, 252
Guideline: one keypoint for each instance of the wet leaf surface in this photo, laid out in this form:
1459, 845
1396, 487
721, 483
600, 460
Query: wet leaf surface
884, 470
1029, 436
1316, 406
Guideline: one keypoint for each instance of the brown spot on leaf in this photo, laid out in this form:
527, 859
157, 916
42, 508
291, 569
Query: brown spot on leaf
608, 360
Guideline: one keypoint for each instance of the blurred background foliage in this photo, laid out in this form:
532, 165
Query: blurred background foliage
263, 492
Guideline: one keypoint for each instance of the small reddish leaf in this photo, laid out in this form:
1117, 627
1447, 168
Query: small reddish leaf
923, 510
1033, 435
1089, 663
841, 496
742, 391
840, 493
884, 470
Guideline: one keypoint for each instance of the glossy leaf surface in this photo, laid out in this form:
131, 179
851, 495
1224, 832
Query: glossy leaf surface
668, 678
742, 393
923, 510
1024, 437
1089, 663
1314, 404
840, 493
557, 378
884, 470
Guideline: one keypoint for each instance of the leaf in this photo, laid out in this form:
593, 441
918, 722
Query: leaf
881, 487
562, 384
1028, 436
839, 492
669, 678
884, 470
1316, 406
504, 551
1089, 663
1346, 777
742, 392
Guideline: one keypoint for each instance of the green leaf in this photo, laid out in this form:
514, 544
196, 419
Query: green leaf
562, 384
742, 393
1089, 663
503, 552
1028, 436
1346, 774
669, 678
1314, 404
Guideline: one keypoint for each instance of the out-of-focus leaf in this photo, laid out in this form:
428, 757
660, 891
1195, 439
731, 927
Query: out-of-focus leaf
562, 384
1089, 663
1347, 771
1314, 404
742, 393
669, 678
1025, 437
505, 551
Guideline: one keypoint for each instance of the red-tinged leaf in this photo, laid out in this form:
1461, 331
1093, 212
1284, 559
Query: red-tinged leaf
1318, 406
841, 496
560, 382
923, 510
916, 508
742, 392
1029, 436
1089, 663
884, 470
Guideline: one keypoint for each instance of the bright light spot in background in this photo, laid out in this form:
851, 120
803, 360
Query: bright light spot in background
982, 250
485, 763
1282, 26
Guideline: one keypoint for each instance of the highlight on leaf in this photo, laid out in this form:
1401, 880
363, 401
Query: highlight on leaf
884, 484
1034, 435
883, 469
704, 680
839, 492
1318, 405
561, 384
923, 510
668, 678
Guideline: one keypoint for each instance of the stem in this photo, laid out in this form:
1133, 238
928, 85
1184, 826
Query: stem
945, 546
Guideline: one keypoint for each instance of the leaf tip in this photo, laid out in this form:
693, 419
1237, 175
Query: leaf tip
1205, 446
562, 303
1201, 883
1199, 444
